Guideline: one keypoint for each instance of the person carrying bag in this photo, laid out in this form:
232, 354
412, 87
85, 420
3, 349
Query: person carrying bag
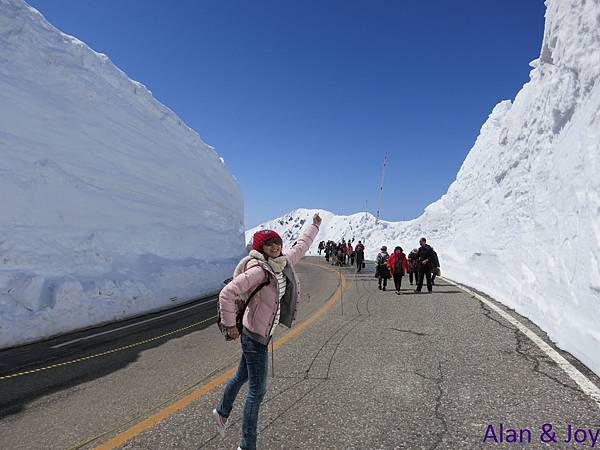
381, 272
276, 302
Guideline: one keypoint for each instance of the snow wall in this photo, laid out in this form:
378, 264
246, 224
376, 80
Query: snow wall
111, 206
522, 220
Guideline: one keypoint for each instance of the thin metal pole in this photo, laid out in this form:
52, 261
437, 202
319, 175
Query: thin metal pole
380, 188
341, 292
272, 360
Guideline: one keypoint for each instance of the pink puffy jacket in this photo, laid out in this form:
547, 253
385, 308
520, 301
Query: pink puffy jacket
262, 309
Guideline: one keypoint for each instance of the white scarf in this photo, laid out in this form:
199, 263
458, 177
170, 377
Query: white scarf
277, 264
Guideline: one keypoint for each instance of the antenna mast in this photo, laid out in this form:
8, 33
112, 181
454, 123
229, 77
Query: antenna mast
381, 188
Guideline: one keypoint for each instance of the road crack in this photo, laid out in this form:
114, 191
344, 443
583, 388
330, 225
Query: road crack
438, 405
416, 333
523, 345
522, 351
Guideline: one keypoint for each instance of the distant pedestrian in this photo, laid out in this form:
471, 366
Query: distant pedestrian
274, 303
413, 265
334, 253
381, 272
340, 256
425, 258
343, 252
359, 253
398, 266
350, 252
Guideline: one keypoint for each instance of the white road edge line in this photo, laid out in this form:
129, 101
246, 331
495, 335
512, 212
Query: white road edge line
582, 381
84, 338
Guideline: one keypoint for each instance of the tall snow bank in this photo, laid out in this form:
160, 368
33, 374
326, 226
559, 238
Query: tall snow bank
522, 220
111, 205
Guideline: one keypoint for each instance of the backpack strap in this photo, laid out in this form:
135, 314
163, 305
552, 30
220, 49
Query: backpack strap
258, 288
242, 311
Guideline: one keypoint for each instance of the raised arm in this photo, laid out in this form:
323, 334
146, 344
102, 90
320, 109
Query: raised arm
304, 241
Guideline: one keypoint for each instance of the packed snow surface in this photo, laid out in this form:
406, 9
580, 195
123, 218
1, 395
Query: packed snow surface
522, 220
111, 205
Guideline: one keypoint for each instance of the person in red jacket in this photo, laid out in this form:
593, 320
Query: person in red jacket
398, 266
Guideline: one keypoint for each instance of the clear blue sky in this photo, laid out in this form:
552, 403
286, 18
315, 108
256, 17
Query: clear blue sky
302, 98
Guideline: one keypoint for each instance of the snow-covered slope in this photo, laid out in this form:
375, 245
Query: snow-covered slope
522, 220
360, 227
111, 205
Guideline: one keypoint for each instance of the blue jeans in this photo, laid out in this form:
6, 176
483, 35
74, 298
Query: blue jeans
252, 368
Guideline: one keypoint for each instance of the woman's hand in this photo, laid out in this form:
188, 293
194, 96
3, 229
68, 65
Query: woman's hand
233, 332
317, 219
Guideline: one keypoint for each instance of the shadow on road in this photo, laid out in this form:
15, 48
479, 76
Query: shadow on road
17, 392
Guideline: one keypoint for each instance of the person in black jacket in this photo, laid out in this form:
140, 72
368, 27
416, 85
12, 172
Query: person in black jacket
425, 258
359, 252
413, 264
435, 265
382, 272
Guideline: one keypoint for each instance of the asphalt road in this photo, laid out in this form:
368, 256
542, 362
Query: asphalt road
369, 370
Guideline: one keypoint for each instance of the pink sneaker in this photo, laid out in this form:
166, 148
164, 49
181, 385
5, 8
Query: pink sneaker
220, 422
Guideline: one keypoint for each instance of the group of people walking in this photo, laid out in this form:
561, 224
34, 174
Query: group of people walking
343, 253
421, 264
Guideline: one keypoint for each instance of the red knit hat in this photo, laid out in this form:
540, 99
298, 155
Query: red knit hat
261, 236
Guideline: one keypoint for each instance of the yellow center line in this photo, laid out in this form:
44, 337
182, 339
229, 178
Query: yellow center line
161, 415
105, 353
